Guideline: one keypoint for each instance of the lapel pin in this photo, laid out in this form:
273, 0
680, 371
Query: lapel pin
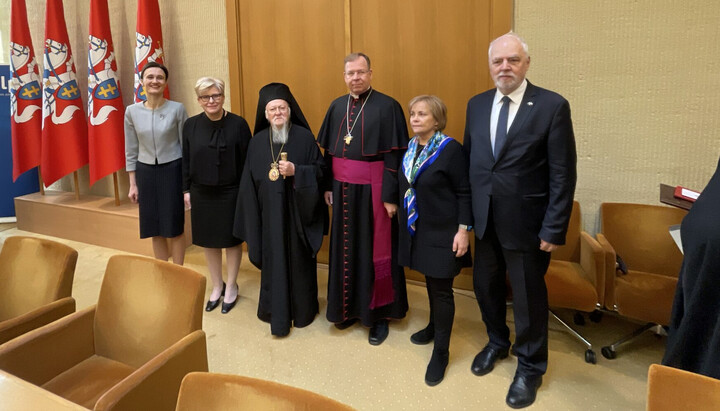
529, 103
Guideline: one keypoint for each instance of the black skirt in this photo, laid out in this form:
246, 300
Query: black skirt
160, 197
213, 214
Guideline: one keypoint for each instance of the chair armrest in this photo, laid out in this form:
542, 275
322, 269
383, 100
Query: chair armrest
36, 318
674, 389
592, 260
610, 270
156, 384
41, 354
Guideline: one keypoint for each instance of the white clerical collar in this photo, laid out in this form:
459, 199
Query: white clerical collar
357, 96
516, 96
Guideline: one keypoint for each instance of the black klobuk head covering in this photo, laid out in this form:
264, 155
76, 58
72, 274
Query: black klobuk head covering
274, 91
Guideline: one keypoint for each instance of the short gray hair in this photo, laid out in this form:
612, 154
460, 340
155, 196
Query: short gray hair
205, 83
516, 37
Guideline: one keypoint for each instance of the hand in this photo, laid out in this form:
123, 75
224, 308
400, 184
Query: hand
391, 209
133, 193
461, 243
286, 168
328, 198
545, 246
186, 197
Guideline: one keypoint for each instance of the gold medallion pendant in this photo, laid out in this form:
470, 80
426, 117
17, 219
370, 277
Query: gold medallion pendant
274, 173
348, 139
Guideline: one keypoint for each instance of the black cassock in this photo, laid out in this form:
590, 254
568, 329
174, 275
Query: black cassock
379, 134
694, 336
283, 222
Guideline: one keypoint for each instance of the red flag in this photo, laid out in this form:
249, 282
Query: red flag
148, 42
64, 133
25, 94
106, 111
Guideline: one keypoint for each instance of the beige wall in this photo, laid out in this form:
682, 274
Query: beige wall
194, 33
642, 82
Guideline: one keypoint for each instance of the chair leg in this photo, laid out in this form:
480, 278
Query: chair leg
589, 354
609, 351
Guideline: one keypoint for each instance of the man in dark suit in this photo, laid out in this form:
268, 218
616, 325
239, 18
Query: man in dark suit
522, 173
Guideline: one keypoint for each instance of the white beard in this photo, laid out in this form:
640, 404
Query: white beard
280, 135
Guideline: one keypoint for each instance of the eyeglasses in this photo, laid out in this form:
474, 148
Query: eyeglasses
273, 110
215, 97
350, 74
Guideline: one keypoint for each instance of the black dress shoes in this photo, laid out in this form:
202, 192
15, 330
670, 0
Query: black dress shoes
523, 390
484, 362
378, 332
345, 324
436, 368
226, 307
212, 304
424, 336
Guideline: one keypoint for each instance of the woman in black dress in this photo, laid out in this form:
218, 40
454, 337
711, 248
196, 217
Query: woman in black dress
435, 221
215, 144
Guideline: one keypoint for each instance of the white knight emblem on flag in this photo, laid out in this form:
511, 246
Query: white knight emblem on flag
60, 82
24, 83
102, 80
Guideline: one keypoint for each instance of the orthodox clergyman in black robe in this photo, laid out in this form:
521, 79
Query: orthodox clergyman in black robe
694, 337
280, 211
364, 135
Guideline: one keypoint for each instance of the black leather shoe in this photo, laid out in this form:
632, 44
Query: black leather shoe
484, 362
424, 336
345, 324
378, 332
436, 368
212, 304
523, 390
226, 307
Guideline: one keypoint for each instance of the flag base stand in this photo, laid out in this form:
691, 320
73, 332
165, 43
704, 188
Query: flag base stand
91, 219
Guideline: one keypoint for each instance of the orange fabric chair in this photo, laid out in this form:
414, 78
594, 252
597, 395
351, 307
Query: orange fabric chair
128, 352
638, 233
576, 277
36, 277
671, 389
201, 391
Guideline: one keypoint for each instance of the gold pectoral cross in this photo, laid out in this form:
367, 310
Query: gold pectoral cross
348, 139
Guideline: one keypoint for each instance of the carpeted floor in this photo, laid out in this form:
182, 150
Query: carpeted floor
342, 365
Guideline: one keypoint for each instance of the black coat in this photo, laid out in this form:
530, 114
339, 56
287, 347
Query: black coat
443, 202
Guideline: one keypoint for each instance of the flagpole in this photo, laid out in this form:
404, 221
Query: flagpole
77, 185
117, 191
42, 185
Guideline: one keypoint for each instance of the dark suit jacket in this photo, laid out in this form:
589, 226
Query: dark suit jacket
532, 183
442, 193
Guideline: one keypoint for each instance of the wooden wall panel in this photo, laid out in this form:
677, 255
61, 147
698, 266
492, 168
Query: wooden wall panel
428, 47
296, 42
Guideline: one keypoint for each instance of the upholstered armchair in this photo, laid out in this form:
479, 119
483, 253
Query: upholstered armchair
576, 278
642, 263
201, 391
36, 277
128, 352
671, 389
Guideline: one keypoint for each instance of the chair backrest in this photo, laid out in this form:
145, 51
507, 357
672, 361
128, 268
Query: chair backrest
145, 306
34, 272
639, 234
571, 250
209, 392
673, 389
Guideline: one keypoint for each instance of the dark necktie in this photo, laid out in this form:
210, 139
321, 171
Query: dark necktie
501, 131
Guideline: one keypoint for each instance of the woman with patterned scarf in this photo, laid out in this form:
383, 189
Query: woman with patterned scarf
435, 221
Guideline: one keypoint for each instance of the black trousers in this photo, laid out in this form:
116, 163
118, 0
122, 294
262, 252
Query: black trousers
526, 272
442, 309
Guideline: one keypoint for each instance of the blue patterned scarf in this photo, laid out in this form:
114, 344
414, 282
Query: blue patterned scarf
412, 169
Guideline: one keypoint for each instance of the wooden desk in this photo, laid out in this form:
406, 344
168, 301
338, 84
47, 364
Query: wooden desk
20, 395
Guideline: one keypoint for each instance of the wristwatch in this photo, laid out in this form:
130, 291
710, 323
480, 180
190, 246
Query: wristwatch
464, 227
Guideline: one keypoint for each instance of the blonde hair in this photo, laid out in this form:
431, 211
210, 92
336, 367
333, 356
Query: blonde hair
437, 108
205, 83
